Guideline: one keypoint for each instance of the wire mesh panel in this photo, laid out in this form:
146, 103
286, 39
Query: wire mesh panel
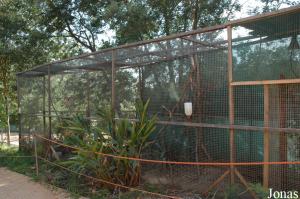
32, 98
285, 145
69, 94
186, 69
127, 91
267, 49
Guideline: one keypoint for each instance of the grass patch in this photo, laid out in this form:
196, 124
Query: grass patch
11, 158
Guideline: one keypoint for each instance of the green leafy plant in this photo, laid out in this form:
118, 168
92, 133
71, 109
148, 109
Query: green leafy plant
259, 190
231, 192
121, 138
15, 160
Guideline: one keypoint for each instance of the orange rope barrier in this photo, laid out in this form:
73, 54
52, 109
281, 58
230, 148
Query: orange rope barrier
174, 162
110, 183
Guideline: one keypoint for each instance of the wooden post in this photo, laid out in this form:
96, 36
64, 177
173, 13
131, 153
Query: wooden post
36, 157
49, 103
231, 103
266, 136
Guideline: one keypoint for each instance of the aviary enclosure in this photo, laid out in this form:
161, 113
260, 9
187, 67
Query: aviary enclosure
242, 77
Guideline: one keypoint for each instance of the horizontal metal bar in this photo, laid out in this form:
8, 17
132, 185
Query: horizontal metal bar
266, 82
223, 126
193, 124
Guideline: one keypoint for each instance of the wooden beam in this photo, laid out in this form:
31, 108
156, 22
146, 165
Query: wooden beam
266, 82
266, 136
231, 103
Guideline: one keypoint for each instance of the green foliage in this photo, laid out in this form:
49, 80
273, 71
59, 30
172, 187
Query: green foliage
259, 190
25, 44
164, 17
232, 192
77, 186
23, 165
272, 5
235, 191
121, 138
83, 21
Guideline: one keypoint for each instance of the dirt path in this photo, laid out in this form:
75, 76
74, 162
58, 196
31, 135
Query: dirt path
17, 186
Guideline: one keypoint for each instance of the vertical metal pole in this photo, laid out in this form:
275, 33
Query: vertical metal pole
44, 105
113, 95
19, 112
282, 135
36, 157
49, 104
113, 77
88, 111
140, 84
266, 136
231, 103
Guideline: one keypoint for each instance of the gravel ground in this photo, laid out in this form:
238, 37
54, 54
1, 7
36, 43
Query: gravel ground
16, 186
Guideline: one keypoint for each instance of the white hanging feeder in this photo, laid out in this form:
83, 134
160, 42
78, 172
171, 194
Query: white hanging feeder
188, 109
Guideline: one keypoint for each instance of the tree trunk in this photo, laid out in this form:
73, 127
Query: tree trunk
195, 15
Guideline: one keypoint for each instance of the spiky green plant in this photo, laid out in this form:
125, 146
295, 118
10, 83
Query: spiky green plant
121, 138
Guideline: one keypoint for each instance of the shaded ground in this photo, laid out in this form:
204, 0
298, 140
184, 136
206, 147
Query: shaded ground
17, 186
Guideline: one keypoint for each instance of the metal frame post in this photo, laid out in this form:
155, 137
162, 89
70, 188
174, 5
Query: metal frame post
44, 105
19, 111
266, 136
113, 77
231, 104
113, 95
49, 104
36, 156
